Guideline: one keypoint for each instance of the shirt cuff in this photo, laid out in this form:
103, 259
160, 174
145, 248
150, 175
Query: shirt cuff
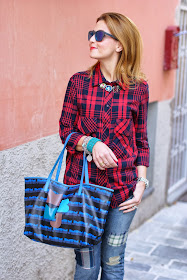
143, 158
72, 143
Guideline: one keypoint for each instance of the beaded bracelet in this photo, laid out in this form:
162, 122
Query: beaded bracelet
84, 144
91, 143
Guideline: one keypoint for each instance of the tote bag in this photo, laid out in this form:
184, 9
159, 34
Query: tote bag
71, 216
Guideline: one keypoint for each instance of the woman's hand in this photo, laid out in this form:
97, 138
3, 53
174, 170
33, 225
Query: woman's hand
103, 156
128, 205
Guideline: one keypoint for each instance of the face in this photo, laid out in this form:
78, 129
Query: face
108, 48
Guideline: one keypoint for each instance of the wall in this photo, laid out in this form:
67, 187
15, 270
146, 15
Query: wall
159, 151
22, 258
44, 42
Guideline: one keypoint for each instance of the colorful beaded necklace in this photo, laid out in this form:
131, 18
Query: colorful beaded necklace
109, 88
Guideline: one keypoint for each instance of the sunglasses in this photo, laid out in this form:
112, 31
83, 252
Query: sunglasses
99, 35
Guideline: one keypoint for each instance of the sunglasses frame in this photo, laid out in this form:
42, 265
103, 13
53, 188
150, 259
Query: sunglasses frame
105, 33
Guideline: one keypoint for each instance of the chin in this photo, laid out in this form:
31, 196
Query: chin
94, 57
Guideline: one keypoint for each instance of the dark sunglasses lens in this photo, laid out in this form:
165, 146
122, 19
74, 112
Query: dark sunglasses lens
90, 34
99, 35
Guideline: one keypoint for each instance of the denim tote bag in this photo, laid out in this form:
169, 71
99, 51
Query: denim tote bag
71, 216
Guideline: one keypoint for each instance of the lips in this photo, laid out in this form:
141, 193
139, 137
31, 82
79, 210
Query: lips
91, 48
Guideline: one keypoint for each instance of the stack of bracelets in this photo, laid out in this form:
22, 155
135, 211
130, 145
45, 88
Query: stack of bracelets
88, 144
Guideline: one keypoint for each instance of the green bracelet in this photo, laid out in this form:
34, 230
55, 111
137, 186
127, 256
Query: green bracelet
91, 143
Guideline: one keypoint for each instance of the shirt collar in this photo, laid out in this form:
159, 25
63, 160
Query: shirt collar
98, 78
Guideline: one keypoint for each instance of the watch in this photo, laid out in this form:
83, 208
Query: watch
143, 180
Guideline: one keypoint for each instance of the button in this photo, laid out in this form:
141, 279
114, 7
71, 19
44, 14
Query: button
107, 105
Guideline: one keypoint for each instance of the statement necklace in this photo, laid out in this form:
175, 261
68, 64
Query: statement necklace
109, 88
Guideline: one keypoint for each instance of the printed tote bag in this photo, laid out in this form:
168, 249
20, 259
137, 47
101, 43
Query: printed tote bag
71, 216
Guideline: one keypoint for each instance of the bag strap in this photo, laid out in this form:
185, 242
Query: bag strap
58, 159
85, 169
84, 172
59, 169
59, 162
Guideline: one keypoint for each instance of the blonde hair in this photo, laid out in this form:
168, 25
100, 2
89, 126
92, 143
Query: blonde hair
128, 68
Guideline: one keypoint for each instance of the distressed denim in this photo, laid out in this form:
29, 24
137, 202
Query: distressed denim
109, 253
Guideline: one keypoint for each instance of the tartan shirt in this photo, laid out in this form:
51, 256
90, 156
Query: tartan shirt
118, 119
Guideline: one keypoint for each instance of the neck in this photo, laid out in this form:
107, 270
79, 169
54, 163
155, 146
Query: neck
108, 69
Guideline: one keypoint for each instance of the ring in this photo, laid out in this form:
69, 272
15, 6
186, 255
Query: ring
102, 163
134, 207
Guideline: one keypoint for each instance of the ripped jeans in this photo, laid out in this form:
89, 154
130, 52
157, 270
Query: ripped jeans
109, 253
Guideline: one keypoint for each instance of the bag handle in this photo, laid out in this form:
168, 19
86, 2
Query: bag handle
59, 162
84, 162
58, 159
84, 172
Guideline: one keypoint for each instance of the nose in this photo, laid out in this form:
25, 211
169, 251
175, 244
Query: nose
92, 39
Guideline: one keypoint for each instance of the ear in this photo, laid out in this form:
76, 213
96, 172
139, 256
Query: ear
119, 47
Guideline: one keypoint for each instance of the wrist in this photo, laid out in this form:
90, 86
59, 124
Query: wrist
144, 181
95, 145
92, 143
84, 144
141, 185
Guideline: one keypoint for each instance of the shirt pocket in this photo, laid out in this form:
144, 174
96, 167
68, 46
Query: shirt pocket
122, 140
88, 126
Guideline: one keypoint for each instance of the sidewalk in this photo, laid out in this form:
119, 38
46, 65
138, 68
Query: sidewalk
157, 250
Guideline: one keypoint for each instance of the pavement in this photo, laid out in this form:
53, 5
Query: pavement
157, 250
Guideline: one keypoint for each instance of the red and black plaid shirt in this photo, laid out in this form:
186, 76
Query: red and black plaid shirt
119, 119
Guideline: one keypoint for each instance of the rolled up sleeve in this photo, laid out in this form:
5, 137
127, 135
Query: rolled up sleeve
141, 131
69, 116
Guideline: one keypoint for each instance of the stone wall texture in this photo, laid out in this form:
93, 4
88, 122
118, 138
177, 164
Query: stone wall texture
22, 258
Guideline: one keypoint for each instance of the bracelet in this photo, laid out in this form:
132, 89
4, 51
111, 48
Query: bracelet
143, 180
84, 144
91, 143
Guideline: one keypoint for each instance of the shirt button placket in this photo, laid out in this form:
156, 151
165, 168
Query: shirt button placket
106, 112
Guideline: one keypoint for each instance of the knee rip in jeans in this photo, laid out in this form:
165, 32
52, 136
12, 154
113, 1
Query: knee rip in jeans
117, 240
85, 258
113, 260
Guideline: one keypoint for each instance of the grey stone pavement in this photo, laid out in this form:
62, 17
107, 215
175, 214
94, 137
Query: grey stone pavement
157, 250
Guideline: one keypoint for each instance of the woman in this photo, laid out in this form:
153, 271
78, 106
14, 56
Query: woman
107, 107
